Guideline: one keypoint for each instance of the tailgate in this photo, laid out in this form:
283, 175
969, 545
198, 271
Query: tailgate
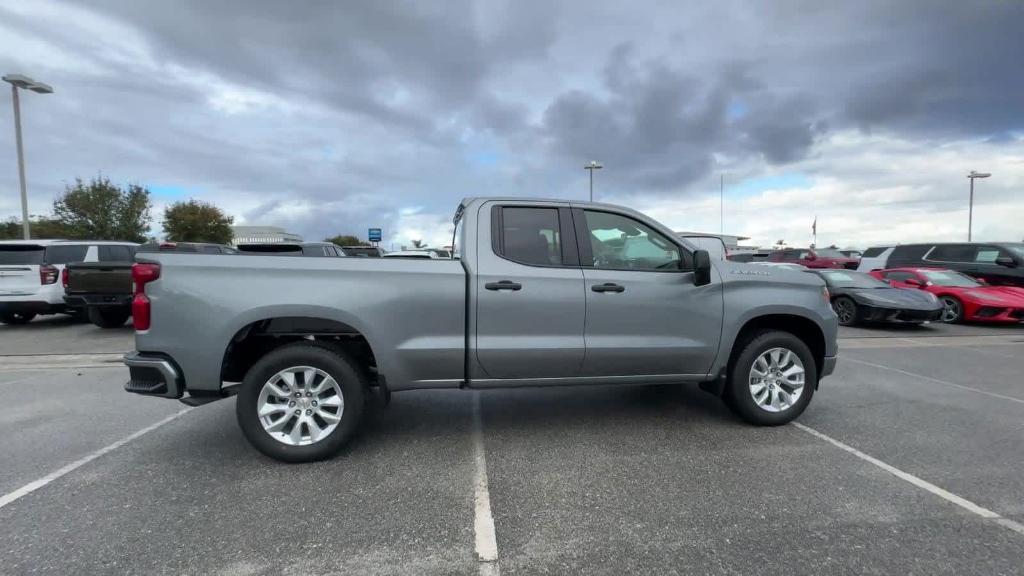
19, 268
99, 278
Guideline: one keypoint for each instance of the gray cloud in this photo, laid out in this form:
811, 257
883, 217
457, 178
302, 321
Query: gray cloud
363, 109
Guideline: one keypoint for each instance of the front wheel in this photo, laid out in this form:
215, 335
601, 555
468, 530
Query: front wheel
846, 309
952, 310
772, 378
17, 317
108, 317
301, 402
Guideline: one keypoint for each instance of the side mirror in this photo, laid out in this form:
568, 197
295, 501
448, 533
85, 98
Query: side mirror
701, 267
1006, 261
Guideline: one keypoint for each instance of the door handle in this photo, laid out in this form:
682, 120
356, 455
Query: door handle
608, 287
504, 285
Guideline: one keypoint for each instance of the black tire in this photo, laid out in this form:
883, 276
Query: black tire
846, 309
109, 317
952, 310
17, 317
738, 396
317, 355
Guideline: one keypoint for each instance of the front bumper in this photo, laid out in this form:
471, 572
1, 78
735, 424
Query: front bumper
828, 366
153, 375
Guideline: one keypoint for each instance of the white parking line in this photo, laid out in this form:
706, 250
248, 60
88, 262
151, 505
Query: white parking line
483, 523
37, 484
936, 380
924, 484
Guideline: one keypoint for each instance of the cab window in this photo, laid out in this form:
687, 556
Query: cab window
621, 243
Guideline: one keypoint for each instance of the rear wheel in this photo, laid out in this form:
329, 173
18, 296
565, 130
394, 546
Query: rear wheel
772, 378
846, 309
108, 317
301, 402
17, 317
952, 310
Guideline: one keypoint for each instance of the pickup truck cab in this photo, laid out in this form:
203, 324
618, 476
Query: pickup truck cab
537, 293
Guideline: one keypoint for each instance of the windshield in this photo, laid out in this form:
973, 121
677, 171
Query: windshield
21, 254
949, 278
850, 279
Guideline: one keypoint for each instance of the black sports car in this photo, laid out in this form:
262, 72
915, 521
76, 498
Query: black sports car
857, 297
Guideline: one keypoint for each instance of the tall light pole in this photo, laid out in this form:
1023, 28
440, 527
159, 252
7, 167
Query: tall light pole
594, 165
19, 81
970, 210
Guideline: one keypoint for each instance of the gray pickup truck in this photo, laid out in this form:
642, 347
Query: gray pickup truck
537, 293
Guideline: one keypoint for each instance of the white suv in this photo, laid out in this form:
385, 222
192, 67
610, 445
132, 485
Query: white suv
30, 274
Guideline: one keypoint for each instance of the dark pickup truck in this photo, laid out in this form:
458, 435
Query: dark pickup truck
103, 290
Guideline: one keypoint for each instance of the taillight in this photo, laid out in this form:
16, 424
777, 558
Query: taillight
48, 274
142, 273
64, 277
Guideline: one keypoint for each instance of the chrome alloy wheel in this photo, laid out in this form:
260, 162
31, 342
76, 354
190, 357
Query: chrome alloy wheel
777, 379
950, 309
300, 405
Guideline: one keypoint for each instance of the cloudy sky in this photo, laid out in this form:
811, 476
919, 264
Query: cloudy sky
329, 117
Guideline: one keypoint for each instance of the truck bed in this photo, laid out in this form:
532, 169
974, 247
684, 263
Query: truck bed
418, 309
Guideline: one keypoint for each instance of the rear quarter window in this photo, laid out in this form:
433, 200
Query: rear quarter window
910, 253
65, 254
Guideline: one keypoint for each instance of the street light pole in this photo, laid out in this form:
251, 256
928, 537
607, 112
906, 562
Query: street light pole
594, 165
970, 208
18, 81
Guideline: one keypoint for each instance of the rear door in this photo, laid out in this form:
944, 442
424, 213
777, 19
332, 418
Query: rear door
644, 314
530, 300
19, 269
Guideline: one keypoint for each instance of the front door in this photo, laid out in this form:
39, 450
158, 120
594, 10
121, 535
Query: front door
529, 293
644, 314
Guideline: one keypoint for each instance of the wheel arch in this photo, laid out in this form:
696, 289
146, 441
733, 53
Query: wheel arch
806, 329
256, 338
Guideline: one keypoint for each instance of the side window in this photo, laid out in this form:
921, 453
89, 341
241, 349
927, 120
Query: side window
115, 253
622, 243
530, 236
874, 252
210, 250
988, 254
898, 276
952, 253
56, 254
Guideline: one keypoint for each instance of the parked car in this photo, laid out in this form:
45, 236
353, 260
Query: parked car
314, 249
855, 254
362, 251
963, 298
874, 258
857, 298
782, 266
30, 272
421, 254
545, 294
750, 256
814, 258
103, 289
998, 263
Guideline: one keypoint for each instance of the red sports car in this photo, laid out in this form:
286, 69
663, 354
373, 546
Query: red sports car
963, 298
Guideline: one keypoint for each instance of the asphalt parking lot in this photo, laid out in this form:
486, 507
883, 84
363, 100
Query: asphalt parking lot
910, 460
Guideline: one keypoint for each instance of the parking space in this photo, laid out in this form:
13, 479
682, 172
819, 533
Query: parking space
652, 479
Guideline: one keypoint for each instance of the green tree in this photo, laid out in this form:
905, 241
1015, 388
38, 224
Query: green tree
100, 210
419, 244
346, 240
40, 227
197, 221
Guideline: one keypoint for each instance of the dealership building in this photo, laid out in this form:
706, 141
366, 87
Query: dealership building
262, 235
